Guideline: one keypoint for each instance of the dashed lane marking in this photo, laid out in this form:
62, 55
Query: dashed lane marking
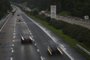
13, 40
38, 50
12, 44
11, 58
42, 58
14, 36
12, 50
35, 44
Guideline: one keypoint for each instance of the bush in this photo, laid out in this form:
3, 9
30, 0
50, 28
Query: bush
35, 11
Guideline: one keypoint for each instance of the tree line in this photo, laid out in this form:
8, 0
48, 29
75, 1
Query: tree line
5, 7
74, 7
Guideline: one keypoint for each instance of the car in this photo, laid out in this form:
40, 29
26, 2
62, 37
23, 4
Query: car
54, 50
19, 20
26, 40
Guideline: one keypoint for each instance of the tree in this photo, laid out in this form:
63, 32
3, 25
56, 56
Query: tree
4, 7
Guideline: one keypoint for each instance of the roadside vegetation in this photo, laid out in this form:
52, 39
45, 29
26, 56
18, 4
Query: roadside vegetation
5, 7
77, 8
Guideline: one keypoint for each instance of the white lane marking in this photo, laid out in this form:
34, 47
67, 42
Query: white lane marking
11, 58
12, 44
42, 58
31, 38
38, 50
49, 35
14, 33
4, 24
13, 40
12, 51
14, 36
35, 44
11, 48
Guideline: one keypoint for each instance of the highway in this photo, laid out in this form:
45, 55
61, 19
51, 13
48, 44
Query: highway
11, 47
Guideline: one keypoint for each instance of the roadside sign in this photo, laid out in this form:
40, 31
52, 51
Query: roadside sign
53, 11
86, 17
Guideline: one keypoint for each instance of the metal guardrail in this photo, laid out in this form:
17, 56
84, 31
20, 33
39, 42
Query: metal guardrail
82, 48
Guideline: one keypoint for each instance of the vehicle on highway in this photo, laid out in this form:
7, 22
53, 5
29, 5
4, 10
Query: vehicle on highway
26, 40
18, 20
18, 15
54, 50
13, 12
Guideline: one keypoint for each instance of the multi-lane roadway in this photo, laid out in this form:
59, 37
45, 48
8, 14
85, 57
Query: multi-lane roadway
11, 47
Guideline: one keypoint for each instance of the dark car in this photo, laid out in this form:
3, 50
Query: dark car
54, 50
19, 20
26, 39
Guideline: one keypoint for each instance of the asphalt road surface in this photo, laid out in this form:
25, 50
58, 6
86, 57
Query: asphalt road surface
11, 47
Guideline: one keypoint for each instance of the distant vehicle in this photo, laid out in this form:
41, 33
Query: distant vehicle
54, 50
13, 12
18, 20
26, 40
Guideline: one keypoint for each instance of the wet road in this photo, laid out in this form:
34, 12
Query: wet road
11, 47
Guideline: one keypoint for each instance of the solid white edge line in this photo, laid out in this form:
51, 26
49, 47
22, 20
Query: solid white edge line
28, 30
4, 24
31, 38
13, 40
